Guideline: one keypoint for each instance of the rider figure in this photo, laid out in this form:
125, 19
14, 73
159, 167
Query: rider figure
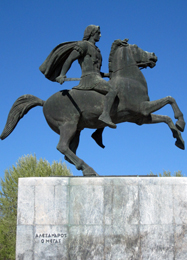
90, 59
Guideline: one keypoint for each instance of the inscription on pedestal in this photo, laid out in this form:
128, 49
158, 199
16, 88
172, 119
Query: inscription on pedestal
50, 238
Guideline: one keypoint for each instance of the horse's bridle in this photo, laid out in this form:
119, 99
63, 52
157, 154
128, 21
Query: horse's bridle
142, 65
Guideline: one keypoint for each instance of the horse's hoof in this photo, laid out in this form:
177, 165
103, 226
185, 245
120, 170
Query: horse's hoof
180, 124
180, 144
89, 172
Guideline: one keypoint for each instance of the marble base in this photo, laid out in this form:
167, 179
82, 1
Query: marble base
102, 218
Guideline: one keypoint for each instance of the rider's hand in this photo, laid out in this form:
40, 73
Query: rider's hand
60, 79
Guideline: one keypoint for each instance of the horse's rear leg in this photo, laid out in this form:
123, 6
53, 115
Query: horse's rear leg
153, 119
73, 145
67, 133
148, 107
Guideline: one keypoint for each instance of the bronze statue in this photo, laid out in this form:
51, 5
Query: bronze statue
68, 112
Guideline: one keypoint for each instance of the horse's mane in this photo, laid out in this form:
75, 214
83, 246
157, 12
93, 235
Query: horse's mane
114, 47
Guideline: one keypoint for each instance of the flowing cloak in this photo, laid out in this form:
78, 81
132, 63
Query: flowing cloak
52, 66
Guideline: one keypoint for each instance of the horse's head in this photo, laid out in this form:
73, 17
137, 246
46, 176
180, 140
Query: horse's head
126, 57
143, 59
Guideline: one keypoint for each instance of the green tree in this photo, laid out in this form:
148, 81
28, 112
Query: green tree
27, 166
168, 174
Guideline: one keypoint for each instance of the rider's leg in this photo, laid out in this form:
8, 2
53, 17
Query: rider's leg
97, 136
110, 93
108, 102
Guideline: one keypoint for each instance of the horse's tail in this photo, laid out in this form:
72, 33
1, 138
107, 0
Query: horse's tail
20, 108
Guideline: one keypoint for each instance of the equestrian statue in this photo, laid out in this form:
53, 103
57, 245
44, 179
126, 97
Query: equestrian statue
96, 103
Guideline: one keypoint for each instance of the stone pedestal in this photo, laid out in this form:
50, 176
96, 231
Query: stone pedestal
102, 218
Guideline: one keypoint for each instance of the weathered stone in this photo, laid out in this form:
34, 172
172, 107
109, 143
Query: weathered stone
180, 204
125, 205
181, 242
105, 218
122, 242
86, 242
51, 242
156, 204
86, 205
26, 201
24, 242
157, 242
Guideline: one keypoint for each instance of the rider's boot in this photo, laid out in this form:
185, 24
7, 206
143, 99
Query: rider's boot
108, 102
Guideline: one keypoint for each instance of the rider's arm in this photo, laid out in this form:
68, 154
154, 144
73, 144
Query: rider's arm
74, 55
79, 50
67, 64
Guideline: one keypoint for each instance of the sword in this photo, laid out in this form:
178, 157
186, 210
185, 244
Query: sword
72, 79
78, 79
61, 80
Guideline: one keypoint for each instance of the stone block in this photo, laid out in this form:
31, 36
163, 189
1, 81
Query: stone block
181, 242
24, 242
122, 242
87, 205
157, 242
125, 205
25, 211
180, 204
156, 204
86, 242
50, 242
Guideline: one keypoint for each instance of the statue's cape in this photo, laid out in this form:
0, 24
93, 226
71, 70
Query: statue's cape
52, 66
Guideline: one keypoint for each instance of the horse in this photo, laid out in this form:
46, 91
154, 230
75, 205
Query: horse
68, 112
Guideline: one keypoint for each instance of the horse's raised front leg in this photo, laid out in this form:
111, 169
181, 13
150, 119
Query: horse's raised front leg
68, 131
148, 107
153, 119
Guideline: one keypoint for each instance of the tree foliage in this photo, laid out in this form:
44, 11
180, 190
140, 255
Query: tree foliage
169, 174
27, 166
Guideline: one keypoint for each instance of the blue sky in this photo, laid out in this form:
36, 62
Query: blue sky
31, 29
